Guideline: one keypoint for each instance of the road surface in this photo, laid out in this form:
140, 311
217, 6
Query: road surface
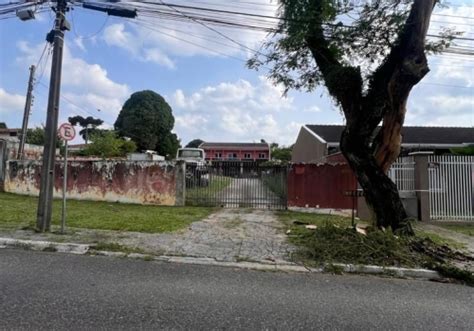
52, 291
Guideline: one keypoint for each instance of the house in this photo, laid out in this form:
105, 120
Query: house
236, 151
10, 134
315, 142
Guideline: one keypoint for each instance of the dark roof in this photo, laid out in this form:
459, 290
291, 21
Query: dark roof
253, 146
412, 135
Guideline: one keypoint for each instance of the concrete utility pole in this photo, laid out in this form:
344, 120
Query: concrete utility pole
43, 221
26, 114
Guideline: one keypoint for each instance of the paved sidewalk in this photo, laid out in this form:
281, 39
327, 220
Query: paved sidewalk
227, 235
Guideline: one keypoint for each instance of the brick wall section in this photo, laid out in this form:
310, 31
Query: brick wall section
320, 186
141, 182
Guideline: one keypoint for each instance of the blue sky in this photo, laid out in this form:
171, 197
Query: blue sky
214, 97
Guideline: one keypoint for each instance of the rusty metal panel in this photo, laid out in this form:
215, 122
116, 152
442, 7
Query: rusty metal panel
320, 186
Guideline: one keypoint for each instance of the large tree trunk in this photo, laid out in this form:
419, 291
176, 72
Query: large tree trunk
386, 99
381, 193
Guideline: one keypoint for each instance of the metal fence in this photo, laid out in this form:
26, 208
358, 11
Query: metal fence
451, 187
237, 185
402, 173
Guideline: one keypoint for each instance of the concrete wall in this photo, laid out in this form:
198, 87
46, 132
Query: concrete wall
308, 149
143, 182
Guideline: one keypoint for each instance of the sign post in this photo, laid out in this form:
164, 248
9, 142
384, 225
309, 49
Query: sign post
66, 133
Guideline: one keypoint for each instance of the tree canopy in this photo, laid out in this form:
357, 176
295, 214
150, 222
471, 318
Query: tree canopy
147, 119
89, 125
195, 143
107, 144
368, 55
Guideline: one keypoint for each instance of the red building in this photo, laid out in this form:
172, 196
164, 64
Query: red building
236, 151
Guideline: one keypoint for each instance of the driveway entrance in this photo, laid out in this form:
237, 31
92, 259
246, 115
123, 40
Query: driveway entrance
237, 185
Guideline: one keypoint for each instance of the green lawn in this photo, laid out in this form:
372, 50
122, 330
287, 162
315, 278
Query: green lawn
206, 195
467, 229
18, 211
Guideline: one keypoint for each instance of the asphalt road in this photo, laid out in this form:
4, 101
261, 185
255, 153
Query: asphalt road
54, 291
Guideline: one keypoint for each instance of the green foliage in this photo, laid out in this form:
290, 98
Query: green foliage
3, 125
89, 125
35, 136
108, 144
280, 153
148, 120
195, 143
373, 32
468, 150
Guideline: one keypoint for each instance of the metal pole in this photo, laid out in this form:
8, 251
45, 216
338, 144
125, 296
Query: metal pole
26, 114
63, 214
43, 221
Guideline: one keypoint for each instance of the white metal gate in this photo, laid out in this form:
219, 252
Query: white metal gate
402, 173
451, 187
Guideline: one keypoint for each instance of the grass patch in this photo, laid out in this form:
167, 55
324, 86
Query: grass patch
206, 195
467, 229
17, 211
439, 240
335, 241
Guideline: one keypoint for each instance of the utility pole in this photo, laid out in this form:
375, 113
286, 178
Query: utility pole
26, 114
56, 36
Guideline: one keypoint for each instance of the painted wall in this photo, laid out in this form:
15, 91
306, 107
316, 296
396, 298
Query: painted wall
240, 154
142, 182
308, 149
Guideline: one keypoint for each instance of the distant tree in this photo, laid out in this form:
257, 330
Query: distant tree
468, 150
195, 143
35, 136
3, 125
108, 144
280, 153
89, 125
148, 120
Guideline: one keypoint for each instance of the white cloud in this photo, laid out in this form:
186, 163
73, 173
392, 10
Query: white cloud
171, 38
11, 103
234, 111
86, 87
312, 109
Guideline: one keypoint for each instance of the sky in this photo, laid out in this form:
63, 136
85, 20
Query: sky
202, 75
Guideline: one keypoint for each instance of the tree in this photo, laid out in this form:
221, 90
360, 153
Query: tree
195, 143
35, 136
108, 144
3, 125
89, 125
280, 153
317, 48
468, 150
148, 120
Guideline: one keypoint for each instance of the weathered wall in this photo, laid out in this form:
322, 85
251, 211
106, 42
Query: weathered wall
320, 186
141, 182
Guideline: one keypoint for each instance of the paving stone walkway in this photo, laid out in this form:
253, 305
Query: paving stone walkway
227, 235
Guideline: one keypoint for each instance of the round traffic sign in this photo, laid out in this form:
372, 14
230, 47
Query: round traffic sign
66, 132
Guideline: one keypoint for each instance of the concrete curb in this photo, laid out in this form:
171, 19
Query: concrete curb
45, 246
82, 249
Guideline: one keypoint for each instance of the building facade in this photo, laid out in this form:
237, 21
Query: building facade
236, 151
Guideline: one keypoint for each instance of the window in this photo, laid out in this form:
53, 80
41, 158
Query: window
247, 156
231, 156
218, 155
262, 156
